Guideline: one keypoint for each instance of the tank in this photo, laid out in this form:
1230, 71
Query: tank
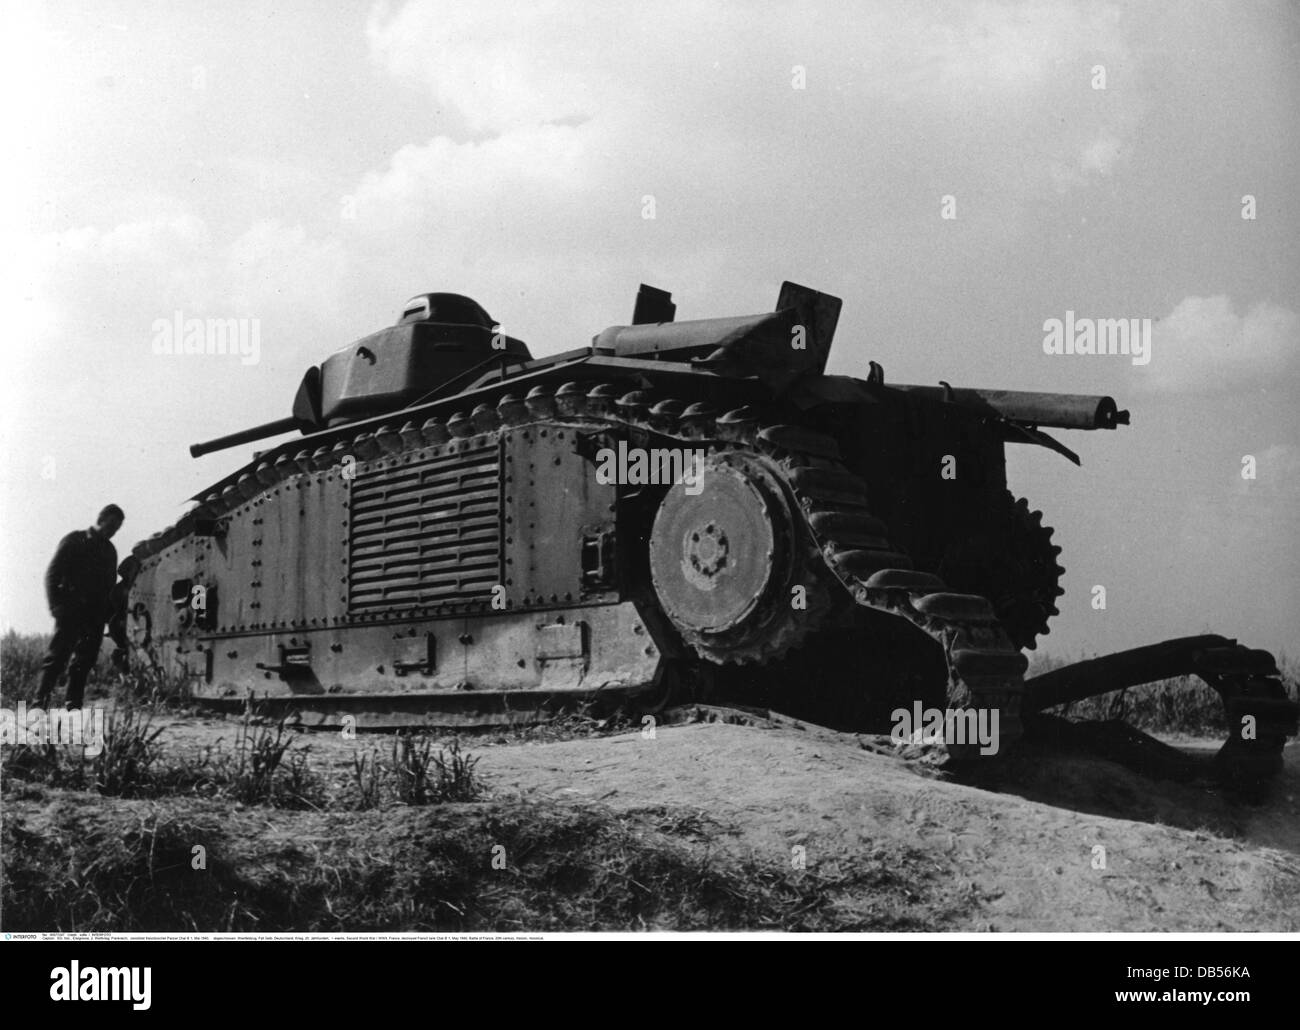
462, 534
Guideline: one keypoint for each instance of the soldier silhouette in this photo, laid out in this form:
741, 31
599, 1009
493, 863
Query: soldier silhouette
78, 587
126, 572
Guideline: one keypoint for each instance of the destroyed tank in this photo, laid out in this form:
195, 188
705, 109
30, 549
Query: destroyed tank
463, 535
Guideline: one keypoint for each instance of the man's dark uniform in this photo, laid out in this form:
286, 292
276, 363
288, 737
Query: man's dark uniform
78, 585
117, 598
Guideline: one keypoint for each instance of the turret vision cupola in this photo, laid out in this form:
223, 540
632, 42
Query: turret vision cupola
439, 337
440, 340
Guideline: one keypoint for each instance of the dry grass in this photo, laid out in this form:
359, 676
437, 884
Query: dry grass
585, 720
266, 766
74, 863
20, 663
413, 773
124, 767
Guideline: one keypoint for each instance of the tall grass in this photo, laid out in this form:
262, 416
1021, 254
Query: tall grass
125, 765
20, 665
414, 774
266, 766
20, 672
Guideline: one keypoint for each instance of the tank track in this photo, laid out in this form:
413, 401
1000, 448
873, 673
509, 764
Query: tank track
1246, 680
985, 668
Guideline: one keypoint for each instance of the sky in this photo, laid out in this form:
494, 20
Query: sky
312, 167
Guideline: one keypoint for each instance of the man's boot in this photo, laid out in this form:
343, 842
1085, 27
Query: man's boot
51, 667
77, 676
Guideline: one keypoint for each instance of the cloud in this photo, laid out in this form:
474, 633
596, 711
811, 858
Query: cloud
550, 123
1277, 476
85, 293
499, 67
275, 267
1014, 47
988, 70
65, 281
533, 174
1205, 346
1100, 155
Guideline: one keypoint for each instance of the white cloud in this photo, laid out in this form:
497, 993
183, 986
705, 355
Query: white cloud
59, 282
534, 171
553, 121
1205, 346
1277, 475
156, 240
277, 267
1100, 155
1014, 47
500, 66
83, 292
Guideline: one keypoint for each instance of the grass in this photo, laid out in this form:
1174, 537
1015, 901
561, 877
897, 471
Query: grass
422, 777
124, 767
412, 773
20, 664
266, 767
583, 721
519, 865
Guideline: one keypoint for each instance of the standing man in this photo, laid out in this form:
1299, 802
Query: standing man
78, 584
126, 573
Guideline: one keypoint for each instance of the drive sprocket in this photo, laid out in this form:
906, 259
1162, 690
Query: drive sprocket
1013, 563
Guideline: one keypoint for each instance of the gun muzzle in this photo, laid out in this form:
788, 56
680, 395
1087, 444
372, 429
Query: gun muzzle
281, 425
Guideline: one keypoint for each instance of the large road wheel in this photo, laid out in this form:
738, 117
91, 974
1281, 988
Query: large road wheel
729, 563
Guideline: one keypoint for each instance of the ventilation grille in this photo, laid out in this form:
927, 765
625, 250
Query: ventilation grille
427, 532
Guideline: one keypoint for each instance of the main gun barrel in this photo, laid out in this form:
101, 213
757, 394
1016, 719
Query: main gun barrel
280, 425
1055, 410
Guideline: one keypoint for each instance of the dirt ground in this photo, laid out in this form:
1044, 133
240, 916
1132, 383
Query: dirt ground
1065, 842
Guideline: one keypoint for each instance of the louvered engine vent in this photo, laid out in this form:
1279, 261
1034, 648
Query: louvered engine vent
426, 533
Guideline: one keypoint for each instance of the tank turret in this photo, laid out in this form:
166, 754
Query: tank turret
439, 339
